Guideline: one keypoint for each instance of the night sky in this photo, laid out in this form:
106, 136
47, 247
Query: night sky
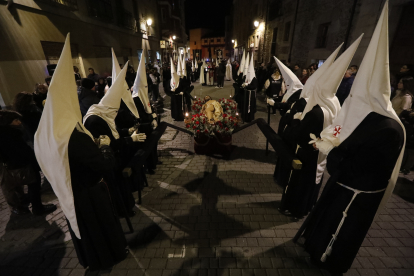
207, 14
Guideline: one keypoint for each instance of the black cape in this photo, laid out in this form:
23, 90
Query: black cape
364, 161
302, 191
102, 242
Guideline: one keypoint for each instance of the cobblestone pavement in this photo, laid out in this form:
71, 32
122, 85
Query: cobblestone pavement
205, 215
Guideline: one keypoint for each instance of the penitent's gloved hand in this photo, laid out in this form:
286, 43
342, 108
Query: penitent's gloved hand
270, 102
181, 93
138, 137
154, 124
104, 141
323, 146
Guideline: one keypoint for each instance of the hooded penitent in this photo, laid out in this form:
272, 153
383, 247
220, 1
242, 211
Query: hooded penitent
308, 88
127, 97
370, 93
292, 82
250, 74
184, 67
203, 67
246, 65
228, 70
241, 67
140, 88
175, 79
324, 91
196, 64
61, 114
192, 66
108, 107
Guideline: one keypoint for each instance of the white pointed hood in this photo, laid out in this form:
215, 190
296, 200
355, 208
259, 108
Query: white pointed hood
241, 66
109, 105
140, 88
61, 115
196, 64
250, 72
292, 82
370, 92
179, 68
175, 79
127, 98
246, 65
192, 66
229, 70
325, 87
184, 67
310, 83
202, 68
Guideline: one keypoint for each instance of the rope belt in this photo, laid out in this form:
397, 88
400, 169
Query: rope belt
328, 250
250, 96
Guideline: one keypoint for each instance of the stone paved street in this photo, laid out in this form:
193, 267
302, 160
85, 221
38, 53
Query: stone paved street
209, 216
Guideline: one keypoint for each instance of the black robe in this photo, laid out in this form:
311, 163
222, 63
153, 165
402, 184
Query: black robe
364, 161
87, 98
121, 147
102, 242
284, 107
177, 100
146, 127
282, 169
302, 191
249, 91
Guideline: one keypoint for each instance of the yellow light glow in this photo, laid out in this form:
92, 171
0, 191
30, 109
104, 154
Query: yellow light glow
149, 22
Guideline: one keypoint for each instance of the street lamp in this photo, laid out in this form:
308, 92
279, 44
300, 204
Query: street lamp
232, 41
149, 22
174, 36
256, 23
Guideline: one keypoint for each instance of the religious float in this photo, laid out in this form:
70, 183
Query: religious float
212, 123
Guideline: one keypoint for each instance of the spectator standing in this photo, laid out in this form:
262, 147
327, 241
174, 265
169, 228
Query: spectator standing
304, 77
76, 72
31, 114
87, 95
345, 86
40, 95
155, 84
19, 167
92, 75
404, 96
354, 69
221, 71
100, 88
297, 71
406, 71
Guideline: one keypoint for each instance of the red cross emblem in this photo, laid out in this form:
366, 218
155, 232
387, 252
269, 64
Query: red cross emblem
149, 104
337, 131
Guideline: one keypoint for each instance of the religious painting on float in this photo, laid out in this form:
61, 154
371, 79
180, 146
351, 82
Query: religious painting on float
213, 123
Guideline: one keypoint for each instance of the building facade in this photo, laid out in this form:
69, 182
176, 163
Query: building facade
307, 31
206, 44
33, 33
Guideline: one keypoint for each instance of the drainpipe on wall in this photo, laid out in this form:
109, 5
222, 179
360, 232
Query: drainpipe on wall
348, 31
293, 32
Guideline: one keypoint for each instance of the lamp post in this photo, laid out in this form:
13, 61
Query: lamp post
256, 23
149, 23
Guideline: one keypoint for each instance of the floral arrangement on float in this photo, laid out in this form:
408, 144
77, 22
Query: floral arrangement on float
212, 123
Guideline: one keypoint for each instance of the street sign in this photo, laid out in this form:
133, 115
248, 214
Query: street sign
162, 44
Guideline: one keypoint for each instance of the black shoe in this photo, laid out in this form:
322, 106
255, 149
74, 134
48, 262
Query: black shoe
405, 171
46, 209
159, 162
20, 211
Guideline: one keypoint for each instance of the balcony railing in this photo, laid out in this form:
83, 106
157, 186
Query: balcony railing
71, 4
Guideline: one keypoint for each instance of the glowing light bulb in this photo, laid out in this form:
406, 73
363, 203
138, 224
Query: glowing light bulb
256, 23
186, 114
174, 36
149, 22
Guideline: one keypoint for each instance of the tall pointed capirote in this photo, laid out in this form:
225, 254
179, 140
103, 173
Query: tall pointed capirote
370, 92
241, 66
308, 87
250, 72
61, 115
140, 88
325, 87
246, 65
292, 82
127, 97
